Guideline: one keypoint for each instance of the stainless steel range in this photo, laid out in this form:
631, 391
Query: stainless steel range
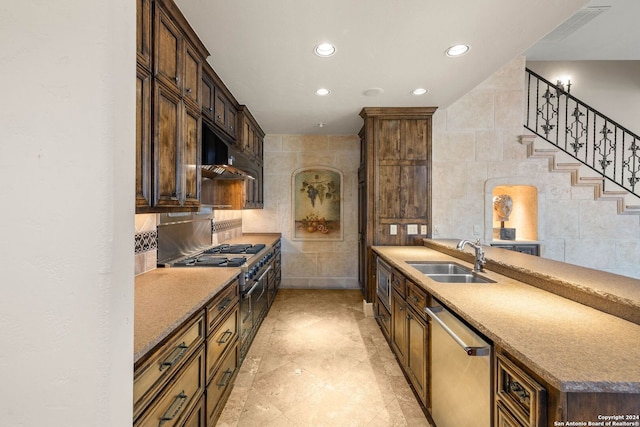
257, 281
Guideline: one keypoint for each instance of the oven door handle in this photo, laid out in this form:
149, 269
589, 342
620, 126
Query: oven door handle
263, 274
253, 288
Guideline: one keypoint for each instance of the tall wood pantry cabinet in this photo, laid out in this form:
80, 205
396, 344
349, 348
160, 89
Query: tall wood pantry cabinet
394, 183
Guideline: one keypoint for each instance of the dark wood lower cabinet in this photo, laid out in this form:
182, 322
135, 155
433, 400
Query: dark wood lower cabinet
417, 354
410, 343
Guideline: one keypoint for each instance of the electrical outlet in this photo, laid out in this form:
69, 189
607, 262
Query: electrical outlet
393, 229
412, 229
423, 230
436, 230
477, 229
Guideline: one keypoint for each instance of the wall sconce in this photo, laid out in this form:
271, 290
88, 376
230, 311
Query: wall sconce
562, 86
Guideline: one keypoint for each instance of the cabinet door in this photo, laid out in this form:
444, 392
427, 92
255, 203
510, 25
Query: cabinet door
231, 119
166, 174
389, 192
143, 139
143, 33
208, 91
191, 158
220, 108
399, 327
167, 50
418, 337
192, 76
413, 200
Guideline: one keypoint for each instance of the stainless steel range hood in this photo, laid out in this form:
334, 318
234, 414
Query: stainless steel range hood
219, 161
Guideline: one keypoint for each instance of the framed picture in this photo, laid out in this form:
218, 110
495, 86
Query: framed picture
317, 204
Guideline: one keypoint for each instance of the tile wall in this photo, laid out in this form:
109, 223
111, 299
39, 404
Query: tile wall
309, 264
476, 148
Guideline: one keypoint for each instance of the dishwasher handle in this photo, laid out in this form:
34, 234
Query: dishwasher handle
470, 350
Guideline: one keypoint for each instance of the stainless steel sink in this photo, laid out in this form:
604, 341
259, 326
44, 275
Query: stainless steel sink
448, 272
459, 278
439, 267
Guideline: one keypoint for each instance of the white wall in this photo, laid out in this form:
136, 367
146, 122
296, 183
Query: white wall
475, 148
611, 87
67, 132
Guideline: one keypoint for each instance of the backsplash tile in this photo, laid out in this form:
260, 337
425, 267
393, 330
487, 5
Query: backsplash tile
146, 241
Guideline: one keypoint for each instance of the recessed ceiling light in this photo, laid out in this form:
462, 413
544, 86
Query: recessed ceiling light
321, 125
324, 49
419, 91
457, 50
323, 92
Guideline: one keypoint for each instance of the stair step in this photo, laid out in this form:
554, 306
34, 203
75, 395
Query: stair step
625, 201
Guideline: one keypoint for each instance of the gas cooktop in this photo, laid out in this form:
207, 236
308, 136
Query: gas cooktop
224, 255
235, 249
210, 261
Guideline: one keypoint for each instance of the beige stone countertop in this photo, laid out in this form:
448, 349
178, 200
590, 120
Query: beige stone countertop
573, 347
166, 297
608, 292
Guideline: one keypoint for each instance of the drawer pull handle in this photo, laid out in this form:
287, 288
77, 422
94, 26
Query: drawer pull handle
225, 337
174, 409
224, 304
520, 392
175, 355
224, 381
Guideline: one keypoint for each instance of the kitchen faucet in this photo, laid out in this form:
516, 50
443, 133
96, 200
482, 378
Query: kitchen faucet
480, 261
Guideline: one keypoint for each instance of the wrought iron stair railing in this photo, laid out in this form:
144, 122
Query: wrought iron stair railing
583, 133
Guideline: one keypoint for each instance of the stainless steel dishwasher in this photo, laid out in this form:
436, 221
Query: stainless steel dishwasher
460, 372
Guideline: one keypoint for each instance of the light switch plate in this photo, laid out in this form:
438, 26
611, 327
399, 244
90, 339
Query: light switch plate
393, 229
412, 229
423, 230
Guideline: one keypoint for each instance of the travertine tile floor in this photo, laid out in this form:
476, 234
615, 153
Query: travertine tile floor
318, 361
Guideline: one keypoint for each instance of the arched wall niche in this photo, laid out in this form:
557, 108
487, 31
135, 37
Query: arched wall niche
526, 215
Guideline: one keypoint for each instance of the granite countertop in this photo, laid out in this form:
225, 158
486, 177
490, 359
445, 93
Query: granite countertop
608, 292
573, 347
165, 298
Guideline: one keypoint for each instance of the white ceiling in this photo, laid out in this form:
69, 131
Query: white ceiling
263, 51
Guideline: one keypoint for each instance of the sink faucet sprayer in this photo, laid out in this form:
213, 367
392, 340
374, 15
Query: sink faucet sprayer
480, 261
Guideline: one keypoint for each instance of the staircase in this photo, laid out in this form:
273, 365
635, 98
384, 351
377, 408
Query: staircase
581, 176
578, 140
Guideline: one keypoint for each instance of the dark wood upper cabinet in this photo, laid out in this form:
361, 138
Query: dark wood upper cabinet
169, 101
143, 33
143, 138
176, 91
167, 52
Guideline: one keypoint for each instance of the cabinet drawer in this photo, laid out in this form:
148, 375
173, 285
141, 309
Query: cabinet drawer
221, 305
384, 319
220, 339
153, 374
398, 283
504, 417
521, 394
417, 298
220, 384
198, 416
176, 401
